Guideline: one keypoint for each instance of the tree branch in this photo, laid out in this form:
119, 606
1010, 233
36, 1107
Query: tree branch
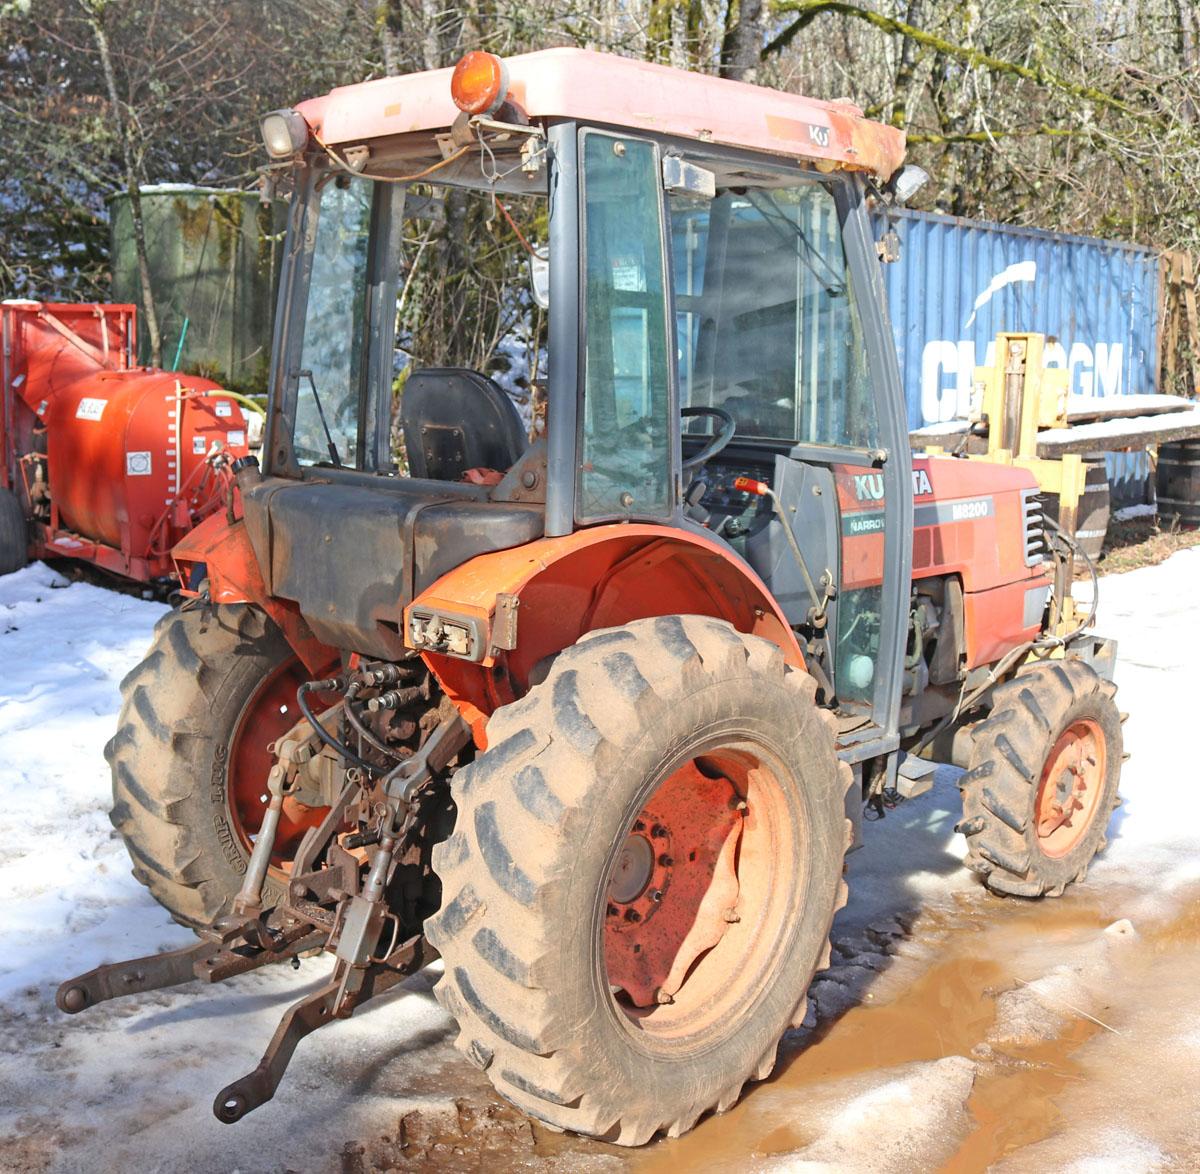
809, 10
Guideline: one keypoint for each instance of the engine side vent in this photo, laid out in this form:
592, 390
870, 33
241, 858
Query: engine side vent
1034, 525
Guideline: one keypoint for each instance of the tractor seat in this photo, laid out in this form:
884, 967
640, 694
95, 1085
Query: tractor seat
455, 419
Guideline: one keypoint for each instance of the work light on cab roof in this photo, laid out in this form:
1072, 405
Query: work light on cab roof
285, 133
479, 84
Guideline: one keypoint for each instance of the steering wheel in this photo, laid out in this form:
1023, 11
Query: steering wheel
718, 442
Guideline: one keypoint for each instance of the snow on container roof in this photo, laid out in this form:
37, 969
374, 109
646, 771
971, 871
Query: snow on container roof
618, 91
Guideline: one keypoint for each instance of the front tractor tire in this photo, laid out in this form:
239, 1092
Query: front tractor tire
189, 759
1043, 779
640, 885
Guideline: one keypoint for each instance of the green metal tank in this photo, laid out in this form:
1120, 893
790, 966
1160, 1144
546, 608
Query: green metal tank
214, 267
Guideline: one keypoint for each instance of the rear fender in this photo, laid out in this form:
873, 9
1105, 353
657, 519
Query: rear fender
231, 567
531, 602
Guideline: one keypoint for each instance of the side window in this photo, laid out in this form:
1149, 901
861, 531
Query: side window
332, 364
624, 467
765, 314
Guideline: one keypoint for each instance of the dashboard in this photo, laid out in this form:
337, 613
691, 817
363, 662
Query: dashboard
733, 511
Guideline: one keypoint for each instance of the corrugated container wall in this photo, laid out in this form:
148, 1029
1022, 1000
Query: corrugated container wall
214, 263
959, 281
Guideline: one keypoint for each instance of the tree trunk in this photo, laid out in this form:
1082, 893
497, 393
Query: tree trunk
742, 51
95, 17
388, 40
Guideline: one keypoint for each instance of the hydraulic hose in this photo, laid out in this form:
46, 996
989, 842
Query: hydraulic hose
1092, 573
320, 730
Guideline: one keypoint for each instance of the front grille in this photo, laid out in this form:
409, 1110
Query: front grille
1034, 526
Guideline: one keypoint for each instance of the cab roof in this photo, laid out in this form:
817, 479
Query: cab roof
601, 88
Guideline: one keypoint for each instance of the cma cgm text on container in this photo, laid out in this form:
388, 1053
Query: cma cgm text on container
957, 282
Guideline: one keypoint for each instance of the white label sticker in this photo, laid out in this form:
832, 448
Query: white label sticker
137, 464
90, 409
199, 445
236, 439
224, 408
627, 274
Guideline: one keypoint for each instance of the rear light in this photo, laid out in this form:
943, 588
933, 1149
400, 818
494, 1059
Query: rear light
480, 83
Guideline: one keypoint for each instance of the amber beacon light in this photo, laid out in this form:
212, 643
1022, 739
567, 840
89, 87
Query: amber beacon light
480, 83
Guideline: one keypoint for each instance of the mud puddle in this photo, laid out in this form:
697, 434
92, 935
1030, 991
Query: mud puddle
951, 1043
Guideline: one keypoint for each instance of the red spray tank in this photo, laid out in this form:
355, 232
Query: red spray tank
112, 463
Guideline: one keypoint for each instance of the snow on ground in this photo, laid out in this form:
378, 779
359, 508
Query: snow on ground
1129, 512
129, 1085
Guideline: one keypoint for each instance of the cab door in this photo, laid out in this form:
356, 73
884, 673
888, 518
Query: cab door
780, 320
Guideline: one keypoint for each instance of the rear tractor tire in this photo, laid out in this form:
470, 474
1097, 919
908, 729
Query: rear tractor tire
189, 759
640, 885
1043, 779
14, 533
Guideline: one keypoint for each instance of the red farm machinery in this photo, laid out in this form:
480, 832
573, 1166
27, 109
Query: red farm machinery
100, 460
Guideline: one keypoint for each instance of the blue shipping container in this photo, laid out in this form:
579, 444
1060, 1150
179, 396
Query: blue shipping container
959, 281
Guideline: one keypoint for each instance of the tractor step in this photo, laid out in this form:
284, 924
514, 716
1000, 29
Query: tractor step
915, 777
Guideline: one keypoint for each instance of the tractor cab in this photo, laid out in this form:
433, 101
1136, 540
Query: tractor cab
691, 304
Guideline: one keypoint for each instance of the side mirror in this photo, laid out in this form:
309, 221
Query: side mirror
905, 184
539, 279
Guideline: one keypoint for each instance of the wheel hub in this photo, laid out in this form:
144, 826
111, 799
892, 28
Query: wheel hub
633, 870
674, 885
1070, 788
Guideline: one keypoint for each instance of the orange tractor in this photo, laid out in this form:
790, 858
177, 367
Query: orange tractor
594, 717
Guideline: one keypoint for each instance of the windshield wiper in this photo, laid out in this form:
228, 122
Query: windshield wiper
781, 224
333, 450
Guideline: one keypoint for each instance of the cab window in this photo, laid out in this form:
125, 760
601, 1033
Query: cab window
625, 428
766, 318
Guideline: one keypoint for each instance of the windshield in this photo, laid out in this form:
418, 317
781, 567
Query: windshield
766, 321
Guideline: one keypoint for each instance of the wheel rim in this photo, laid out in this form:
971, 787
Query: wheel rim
697, 899
270, 711
1070, 787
